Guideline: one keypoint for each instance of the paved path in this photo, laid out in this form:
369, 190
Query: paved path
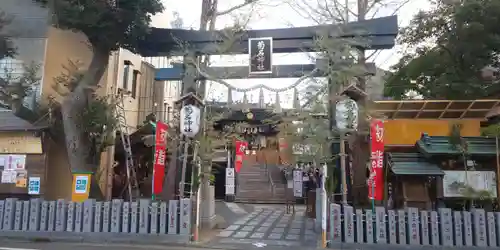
6, 245
270, 225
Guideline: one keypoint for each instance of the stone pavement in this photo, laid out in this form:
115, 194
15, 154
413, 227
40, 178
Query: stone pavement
270, 226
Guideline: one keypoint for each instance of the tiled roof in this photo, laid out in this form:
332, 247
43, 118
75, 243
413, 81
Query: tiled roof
440, 145
10, 122
412, 164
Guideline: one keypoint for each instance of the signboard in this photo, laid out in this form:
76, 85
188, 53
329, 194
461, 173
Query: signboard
240, 151
12, 162
230, 181
3, 161
21, 178
34, 185
17, 162
81, 187
160, 157
455, 183
9, 176
376, 179
190, 120
297, 183
20, 143
260, 51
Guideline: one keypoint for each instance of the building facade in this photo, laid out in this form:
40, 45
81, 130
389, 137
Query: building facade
56, 52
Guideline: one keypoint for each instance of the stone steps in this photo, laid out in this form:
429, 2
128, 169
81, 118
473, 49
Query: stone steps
254, 186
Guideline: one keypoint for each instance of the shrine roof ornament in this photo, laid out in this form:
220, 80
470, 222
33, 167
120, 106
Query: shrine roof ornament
257, 116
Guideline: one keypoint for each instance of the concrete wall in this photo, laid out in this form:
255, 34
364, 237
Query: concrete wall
151, 94
406, 132
125, 82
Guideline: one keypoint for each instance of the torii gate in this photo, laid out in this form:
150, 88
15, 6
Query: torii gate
380, 33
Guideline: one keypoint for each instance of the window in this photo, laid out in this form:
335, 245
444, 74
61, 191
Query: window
126, 73
11, 69
135, 76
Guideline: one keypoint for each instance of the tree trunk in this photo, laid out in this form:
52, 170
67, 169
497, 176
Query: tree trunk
360, 147
79, 147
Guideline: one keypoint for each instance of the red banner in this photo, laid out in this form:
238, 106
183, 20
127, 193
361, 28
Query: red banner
376, 179
240, 147
160, 157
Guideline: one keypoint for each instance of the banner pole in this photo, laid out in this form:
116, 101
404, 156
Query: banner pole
323, 207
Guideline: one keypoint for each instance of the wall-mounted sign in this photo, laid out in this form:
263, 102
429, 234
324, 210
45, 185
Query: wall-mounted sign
81, 187
12, 162
260, 51
20, 143
9, 176
469, 183
34, 185
17, 162
21, 178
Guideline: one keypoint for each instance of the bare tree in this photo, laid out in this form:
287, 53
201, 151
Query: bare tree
204, 142
342, 11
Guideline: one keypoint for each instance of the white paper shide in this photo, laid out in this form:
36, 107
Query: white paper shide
190, 120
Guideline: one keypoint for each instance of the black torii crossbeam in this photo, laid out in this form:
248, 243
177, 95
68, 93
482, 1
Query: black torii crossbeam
379, 33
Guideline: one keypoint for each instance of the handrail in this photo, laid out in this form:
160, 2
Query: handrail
268, 173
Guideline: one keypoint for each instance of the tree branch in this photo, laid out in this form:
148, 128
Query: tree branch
239, 6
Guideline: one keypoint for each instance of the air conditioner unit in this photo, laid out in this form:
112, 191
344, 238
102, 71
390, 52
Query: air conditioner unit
122, 91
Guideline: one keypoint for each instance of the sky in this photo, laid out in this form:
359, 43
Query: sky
280, 14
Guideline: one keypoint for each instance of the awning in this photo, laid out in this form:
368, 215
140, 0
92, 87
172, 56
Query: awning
436, 109
412, 164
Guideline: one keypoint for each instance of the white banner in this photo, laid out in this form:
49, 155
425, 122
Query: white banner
230, 181
297, 183
461, 183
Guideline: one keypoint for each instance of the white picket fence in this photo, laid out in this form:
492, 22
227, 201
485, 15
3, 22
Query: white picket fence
117, 216
413, 227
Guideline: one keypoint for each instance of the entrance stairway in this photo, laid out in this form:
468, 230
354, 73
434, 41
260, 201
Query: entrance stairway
257, 185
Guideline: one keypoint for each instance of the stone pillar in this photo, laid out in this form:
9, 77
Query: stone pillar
207, 206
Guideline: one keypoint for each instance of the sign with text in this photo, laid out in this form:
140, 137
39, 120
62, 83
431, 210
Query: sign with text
190, 120
297, 183
260, 51
34, 185
160, 157
240, 150
21, 178
461, 183
81, 187
376, 179
230, 181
